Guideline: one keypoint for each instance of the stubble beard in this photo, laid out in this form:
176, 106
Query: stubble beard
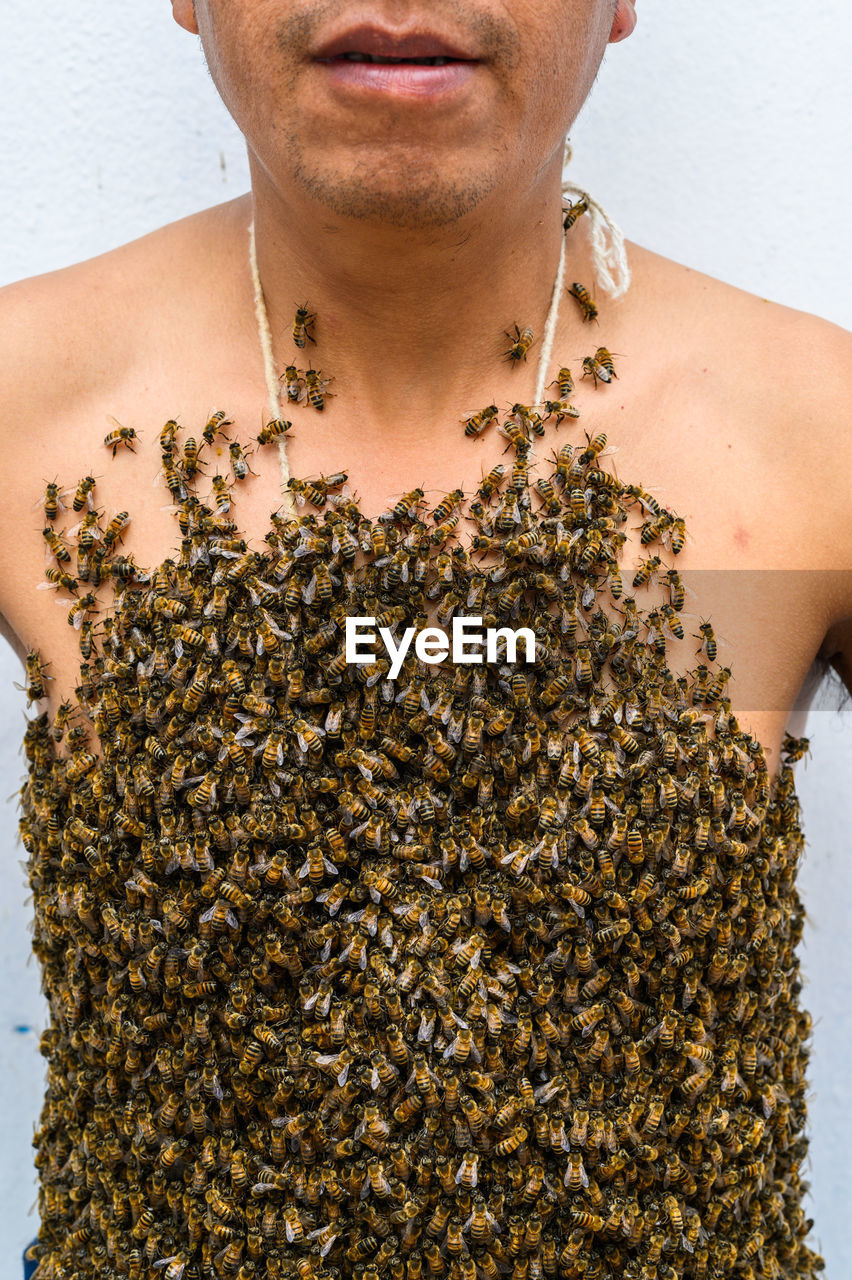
396, 197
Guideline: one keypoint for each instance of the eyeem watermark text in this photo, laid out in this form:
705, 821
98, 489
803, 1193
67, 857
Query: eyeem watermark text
433, 645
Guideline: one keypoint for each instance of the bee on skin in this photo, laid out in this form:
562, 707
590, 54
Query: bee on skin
239, 460
119, 435
599, 367
587, 305
476, 424
273, 429
303, 325
215, 425
573, 212
53, 503
314, 391
56, 546
521, 344
292, 379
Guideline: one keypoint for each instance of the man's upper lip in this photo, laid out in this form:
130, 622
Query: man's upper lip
383, 43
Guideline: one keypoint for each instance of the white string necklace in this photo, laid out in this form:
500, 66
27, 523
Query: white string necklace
612, 273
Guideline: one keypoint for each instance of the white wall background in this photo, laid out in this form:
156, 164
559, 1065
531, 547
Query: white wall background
719, 134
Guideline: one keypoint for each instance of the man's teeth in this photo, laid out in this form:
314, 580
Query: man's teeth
369, 57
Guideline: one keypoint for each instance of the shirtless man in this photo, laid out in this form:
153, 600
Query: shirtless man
418, 210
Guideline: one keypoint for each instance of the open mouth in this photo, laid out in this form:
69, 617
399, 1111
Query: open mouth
370, 57
409, 64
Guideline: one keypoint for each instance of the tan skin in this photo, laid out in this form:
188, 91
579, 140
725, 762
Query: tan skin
418, 241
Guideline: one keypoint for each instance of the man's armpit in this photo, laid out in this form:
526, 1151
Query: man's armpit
836, 651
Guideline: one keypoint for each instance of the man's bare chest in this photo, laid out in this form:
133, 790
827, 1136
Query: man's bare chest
732, 563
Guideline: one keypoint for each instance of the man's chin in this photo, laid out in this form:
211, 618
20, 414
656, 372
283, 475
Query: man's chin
403, 202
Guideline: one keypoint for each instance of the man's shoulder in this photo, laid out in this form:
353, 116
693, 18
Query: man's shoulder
765, 335
54, 331
769, 386
778, 376
67, 333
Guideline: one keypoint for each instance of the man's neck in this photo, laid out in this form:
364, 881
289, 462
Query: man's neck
416, 316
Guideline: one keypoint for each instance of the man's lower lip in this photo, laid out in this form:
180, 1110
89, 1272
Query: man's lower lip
407, 79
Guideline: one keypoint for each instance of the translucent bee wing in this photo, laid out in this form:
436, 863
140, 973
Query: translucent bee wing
309, 591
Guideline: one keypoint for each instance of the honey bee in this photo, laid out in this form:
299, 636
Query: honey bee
239, 463
672, 532
315, 492
560, 410
708, 640
273, 429
514, 1140
215, 425
303, 326
78, 611
119, 435
573, 211
521, 344
83, 494
115, 529
36, 677
599, 367
315, 867
476, 424
56, 577
604, 357
314, 391
190, 463
466, 1176
646, 571
491, 482
575, 1177
56, 546
717, 686
564, 383
292, 379
587, 305
52, 501
654, 1115
447, 506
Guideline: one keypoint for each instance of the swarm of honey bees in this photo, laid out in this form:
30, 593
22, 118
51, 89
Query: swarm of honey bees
487, 971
